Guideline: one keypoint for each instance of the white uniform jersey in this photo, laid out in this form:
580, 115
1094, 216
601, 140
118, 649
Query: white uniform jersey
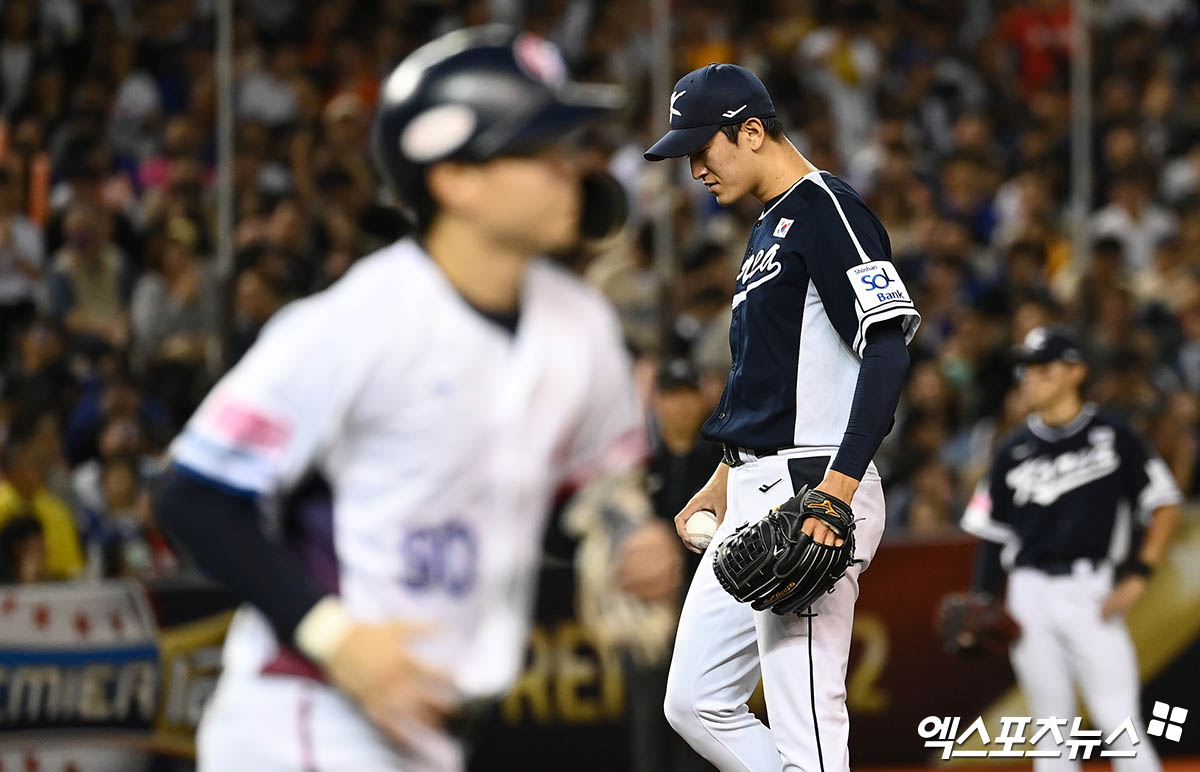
443, 438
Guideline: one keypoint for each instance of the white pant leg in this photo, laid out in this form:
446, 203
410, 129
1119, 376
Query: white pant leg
714, 667
1040, 658
287, 724
805, 656
1105, 666
252, 726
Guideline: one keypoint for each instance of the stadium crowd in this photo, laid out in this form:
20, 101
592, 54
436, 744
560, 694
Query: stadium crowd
951, 118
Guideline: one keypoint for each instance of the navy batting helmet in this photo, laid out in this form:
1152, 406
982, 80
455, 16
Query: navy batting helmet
475, 94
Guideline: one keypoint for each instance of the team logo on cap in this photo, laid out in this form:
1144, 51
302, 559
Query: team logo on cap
675, 96
1036, 338
437, 132
540, 59
733, 113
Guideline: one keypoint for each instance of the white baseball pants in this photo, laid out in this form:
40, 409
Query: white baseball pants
722, 646
1064, 643
279, 723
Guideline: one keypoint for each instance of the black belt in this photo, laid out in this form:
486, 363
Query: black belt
1063, 566
736, 455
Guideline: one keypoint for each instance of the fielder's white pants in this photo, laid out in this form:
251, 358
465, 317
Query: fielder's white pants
723, 646
280, 723
1065, 644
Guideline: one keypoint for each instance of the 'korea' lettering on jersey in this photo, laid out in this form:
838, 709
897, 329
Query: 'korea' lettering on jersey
1058, 494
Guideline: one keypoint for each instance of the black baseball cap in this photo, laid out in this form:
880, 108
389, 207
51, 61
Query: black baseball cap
1048, 344
706, 99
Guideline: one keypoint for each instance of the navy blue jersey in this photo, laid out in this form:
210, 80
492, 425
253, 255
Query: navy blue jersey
816, 275
1056, 494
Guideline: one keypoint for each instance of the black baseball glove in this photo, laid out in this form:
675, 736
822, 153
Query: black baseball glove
773, 564
974, 623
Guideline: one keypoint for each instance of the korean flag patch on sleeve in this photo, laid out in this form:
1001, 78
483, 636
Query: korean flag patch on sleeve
877, 284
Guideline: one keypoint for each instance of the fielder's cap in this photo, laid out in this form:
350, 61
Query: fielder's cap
1048, 344
706, 99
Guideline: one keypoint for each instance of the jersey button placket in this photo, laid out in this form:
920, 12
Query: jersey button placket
733, 323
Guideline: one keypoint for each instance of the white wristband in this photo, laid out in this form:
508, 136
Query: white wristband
323, 629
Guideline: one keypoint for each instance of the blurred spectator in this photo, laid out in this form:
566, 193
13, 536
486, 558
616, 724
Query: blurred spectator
932, 507
22, 551
706, 282
1189, 349
120, 533
967, 196
23, 491
1041, 32
261, 290
87, 183
986, 433
174, 303
90, 283
111, 517
265, 93
1181, 177
1157, 12
1134, 219
682, 461
106, 400
20, 265
628, 278
180, 142
1171, 282
136, 104
121, 438
175, 322
39, 369
1176, 435
843, 64
17, 53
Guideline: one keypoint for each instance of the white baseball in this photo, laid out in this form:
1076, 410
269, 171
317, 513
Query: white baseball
701, 527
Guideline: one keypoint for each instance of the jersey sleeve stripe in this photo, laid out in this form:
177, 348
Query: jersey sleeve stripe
907, 312
1160, 491
977, 520
985, 528
237, 468
217, 483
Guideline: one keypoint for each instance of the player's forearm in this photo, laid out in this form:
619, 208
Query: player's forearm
221, 531
1158, 535
719, 482
989, 574
880, 382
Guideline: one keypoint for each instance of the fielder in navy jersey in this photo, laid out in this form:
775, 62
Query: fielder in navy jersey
819, 333
1078, 510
